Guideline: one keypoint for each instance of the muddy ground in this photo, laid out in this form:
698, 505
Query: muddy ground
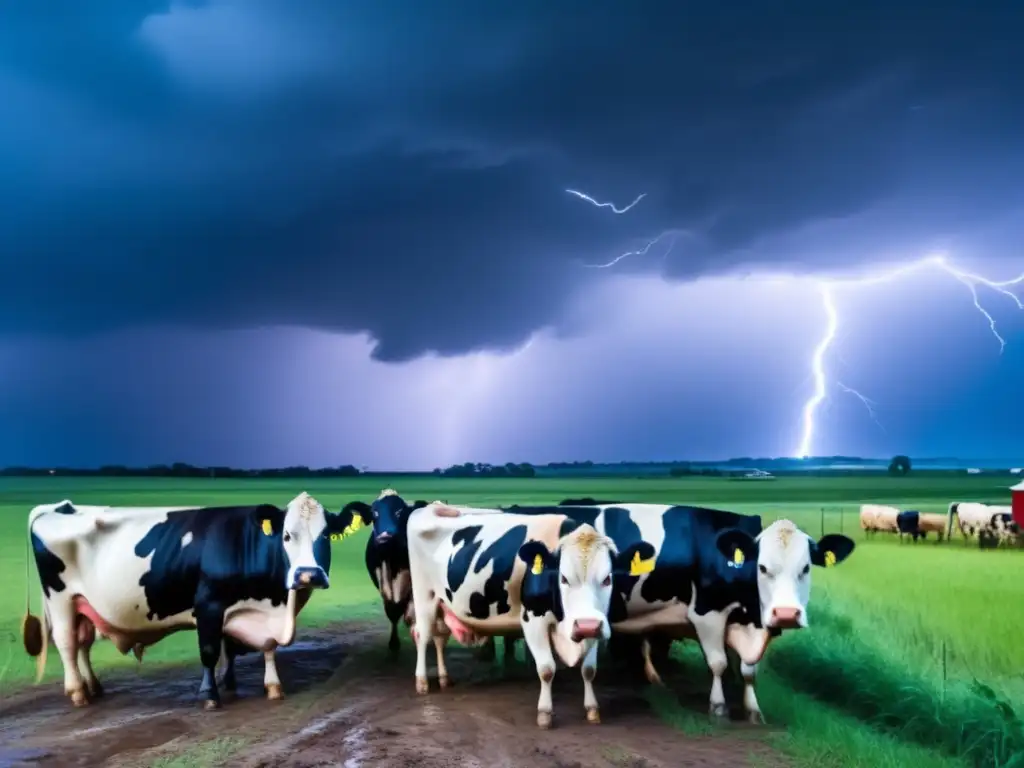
347, 704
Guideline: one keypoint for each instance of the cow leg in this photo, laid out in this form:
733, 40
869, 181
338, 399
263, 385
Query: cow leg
442, 671
86, 636
749, 673
649, 670
65, 638
210, 629
228, 653
535, 633
423, 633
271, 682
487, 651
394, 611
710, 630
589, 672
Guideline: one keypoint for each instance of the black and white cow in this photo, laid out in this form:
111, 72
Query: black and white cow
387, 560
238, 575
387, 553
717, 577
478, 573
991, 523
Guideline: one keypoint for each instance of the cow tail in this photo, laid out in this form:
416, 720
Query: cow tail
35, 634
953, 510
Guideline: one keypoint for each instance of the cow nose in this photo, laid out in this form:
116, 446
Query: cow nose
382, 537
786, 618
310, 577
586, 629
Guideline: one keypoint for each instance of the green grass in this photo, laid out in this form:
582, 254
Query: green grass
913, 656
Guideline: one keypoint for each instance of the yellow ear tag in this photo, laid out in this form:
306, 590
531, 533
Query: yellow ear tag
268, 529
538, 566
355, 525
830, 559
638, 566
738, 557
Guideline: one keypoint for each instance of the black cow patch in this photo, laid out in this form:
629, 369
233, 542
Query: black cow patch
50, 567
459, 562
228, 550
502, 553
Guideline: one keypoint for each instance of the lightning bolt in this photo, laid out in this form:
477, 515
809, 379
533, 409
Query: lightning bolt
969, 280
596, 204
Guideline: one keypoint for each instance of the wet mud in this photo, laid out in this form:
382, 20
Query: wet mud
348, 703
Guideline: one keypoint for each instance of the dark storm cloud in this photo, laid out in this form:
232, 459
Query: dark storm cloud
399, 168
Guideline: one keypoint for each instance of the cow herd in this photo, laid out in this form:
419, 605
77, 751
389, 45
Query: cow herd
992, 525
562, 577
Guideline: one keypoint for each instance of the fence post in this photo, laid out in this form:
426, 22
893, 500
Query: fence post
841, 516
822, 522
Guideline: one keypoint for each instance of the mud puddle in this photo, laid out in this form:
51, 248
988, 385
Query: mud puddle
353, 707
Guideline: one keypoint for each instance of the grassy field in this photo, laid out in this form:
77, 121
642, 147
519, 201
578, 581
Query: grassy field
913, 657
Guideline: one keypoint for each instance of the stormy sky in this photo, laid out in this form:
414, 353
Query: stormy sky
262, 233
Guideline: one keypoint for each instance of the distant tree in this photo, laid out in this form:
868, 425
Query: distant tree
899, 466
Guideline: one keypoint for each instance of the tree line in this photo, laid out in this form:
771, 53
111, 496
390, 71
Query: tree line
899, 466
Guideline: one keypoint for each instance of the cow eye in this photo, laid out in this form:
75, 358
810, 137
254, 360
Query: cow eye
807, 569
762, 569
287, 536
565, 581
607, 581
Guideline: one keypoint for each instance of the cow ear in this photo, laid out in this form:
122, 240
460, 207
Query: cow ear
736, 546
418, 504
270, 519
831, 549
352, 517
636, 559
536, 556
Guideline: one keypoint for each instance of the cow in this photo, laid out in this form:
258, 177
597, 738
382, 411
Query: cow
975, 519
238, 575
707, 582
931, 523
906, 524
483, 572
878, 517
387, 553
918, 525
387, 559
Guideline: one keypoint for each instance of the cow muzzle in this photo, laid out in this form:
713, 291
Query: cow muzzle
785, 618
383, 537
310, 578
586, 629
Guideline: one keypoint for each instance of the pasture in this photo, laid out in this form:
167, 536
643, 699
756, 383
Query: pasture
913, 657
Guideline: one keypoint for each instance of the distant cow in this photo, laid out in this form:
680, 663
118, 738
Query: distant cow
878, 517
238, 575
907, 524
479, 573
986, 521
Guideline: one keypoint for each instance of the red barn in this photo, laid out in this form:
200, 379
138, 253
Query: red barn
1017, 495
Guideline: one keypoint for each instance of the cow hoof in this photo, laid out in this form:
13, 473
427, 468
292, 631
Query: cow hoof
593, 715
444, 683
719, 711
544, 720
95, 689
79, 699
274, 692
755, 718
422, 686
211, 704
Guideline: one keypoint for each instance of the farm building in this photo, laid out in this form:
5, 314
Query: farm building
1017, 502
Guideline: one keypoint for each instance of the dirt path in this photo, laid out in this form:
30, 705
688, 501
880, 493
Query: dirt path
351, 707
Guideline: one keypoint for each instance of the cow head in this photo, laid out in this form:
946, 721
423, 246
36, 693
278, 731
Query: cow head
305, 533
575, 583
784, 555
388, 515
